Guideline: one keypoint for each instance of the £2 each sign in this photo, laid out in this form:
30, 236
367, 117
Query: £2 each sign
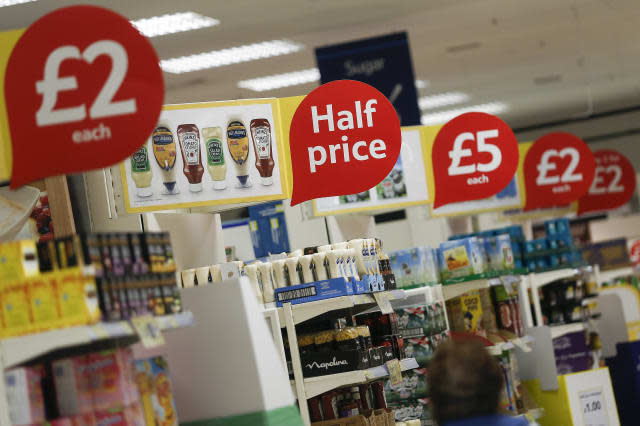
83, 90
613, 184
345, 138
558, 169
474, 156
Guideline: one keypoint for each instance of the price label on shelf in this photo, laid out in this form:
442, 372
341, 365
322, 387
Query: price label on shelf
475, 156
395, 372
148, 331
83, 90
594, 409
384, 302
558, 169
613, 184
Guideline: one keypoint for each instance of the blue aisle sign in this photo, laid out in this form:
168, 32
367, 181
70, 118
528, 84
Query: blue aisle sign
383, 62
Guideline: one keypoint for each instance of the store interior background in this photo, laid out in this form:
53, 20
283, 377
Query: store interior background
541, 66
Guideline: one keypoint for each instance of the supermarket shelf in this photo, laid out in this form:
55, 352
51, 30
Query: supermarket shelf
543, 278
561, 330
315, 386
306, 311
452, 291
607, 276
525, 343
17, 350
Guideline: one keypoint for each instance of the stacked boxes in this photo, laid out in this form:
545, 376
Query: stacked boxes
24, 395
556, 250
462, 258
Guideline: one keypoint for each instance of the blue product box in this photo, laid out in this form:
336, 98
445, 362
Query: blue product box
576, 257
554, 260
531, 264
499, 252
317, 290
460, 258
517, 263
542, 262
516, 248
557, 226
407, 267
532, 246
562, 241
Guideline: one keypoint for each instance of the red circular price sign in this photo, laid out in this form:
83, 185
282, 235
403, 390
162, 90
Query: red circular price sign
613, 184
558, 169
83, 90
474, 156
345, 138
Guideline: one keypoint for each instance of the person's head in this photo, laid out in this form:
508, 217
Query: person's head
464, 381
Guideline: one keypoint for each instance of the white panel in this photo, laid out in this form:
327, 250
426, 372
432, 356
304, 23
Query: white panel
612, 327
581, 388
240, 238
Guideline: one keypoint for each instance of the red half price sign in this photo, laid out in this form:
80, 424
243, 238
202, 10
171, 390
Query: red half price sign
474, 156
558, 169
613, 184
345, 138
83, 90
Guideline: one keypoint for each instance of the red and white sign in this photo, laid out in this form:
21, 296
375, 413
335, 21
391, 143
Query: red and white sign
474, 156
558, 170
344, 139
634, 251
83, 89
613, 184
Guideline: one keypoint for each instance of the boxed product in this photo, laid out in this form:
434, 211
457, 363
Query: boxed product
507, 311
420, 348
414, 385
24, 395
407, 266
429, 259
499, 253
489, 321
88, 419
15, 314
42, 296
71, 382
460, 258
155, 389
130, 415
465, 313
318, 290
333, 362
412, 409
20, 260
111, 378
557, 226
537, 245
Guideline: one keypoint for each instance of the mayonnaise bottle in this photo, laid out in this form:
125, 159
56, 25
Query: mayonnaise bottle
215, 156
165, 151
141, 172
238, 145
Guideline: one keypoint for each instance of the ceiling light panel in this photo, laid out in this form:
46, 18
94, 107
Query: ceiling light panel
278, 81
441, 117
442, 100
4, 3
232, 55
173, 23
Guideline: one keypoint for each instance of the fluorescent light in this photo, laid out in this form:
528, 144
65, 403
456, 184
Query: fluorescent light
442, 117
173, 23
4, 3
442, 99
278, 81
422, 84
232, 55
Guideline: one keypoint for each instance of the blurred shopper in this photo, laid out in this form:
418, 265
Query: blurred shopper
466, 386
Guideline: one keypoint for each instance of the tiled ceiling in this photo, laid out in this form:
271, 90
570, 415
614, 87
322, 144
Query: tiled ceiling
546, 59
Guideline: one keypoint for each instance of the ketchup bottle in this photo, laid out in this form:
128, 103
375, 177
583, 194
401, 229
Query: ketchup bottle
261, 135
189, 138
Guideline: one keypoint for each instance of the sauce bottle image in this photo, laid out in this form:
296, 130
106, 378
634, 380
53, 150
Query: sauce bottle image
215, 156
261, 135
141, 172
238, 144
164, 150
189, 138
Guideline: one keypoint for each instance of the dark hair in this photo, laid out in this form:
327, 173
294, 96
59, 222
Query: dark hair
464, 381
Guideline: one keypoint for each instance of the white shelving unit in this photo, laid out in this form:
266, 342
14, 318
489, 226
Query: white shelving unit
534, 281
289, 315
561, 330
602, 277
18, 350
451, 291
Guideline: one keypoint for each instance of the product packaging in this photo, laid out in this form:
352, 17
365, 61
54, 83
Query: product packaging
460, 258
465, 313
155, 389
24, 395
71, 379
111, 378
499, 252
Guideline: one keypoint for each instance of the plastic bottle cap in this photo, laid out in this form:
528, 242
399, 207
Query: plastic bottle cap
266, 181
195, 187
144, 192
219, 184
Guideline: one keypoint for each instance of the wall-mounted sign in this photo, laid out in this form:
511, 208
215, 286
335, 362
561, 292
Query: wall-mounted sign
406, 185
558, 169
83, 90
344, 139
207, 154
613, 184
383, 62
474, 156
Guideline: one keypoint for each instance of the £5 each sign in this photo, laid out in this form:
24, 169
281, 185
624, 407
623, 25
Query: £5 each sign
83, 90
613, 184
474, 156
558, 169
345, 138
